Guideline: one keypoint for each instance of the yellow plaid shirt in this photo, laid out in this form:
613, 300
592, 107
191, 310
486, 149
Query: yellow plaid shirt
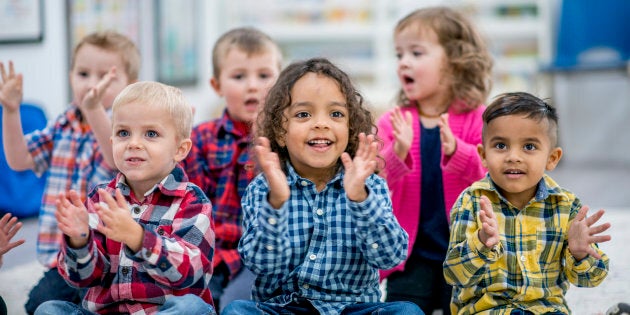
531, 267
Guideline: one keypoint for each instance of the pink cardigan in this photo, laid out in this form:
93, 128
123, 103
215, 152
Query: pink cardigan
404, 177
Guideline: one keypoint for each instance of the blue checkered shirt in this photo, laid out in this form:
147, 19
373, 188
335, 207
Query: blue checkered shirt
320, 246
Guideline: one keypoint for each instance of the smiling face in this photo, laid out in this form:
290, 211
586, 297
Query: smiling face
316, 127
91, 64
146, 145
421, 65
516, 151
245, 80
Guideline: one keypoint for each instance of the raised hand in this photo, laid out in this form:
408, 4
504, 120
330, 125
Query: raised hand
489, 231
358, 169
9, 226
270, 164
117, 222
449, 143
72, 218
403, 132
582, 234
10, 88
93, 97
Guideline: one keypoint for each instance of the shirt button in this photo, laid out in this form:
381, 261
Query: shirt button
523, 258
304, 183
135, 209
305, 286
125, 271
269, 247
272, 221
160, 231
320, 212
374, 245
312, 257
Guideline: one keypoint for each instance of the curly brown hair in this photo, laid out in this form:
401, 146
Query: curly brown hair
469, 61
271, 120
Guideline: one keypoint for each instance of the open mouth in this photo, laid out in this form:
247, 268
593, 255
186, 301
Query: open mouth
408, 79
252, 102
513, 172
319, 143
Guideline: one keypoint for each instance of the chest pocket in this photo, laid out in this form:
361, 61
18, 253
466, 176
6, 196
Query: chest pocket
549, 244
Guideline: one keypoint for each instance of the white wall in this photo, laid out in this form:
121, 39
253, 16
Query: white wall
45, 64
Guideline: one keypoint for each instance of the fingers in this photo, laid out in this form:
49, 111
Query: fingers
3, 72
104, 83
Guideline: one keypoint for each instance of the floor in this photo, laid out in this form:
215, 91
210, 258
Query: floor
599, 186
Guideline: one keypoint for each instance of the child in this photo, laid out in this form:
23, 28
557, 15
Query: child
9, 226
147, 243
317, 223
74, 149
517, 238
246, 63
430, 143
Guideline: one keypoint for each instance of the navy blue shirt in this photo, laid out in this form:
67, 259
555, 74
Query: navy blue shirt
432, 238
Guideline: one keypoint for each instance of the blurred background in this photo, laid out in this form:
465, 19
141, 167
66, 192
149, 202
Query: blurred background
575, 53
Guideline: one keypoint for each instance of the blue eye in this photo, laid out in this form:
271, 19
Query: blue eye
152, 134
122, 133
529, 147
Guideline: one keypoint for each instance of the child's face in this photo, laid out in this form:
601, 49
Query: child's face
516, 151
91, 63
421, 64
244, 82
317, 126
146, 145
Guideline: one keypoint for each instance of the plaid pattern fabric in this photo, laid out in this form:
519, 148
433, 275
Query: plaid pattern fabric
532, 267
219, 162
175, 259
68, 151
320, 246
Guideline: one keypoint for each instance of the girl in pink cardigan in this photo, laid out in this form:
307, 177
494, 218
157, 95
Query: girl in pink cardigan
430, 143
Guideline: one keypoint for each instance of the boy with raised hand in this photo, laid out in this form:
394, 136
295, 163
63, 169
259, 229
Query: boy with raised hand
74, 148
517, 238
145, 242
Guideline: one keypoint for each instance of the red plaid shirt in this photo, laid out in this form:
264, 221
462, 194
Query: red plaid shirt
219, 162
175, 258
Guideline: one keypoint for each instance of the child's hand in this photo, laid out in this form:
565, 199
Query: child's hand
72, 218
403, 132
359, 168
92, 98
10, 88
489, 232
9, 226
449, 143
582, 235
117, 223
270, 163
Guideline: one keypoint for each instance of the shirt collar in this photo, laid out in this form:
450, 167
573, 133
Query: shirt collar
546, 187
227, 125
293, 177
174, 184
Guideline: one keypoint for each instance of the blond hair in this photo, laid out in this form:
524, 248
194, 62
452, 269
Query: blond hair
160, 96
117, 43
247, 39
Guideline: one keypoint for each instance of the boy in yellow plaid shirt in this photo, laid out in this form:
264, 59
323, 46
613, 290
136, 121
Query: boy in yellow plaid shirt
517, 238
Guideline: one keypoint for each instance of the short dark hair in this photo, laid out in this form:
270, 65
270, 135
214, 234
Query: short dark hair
525, 104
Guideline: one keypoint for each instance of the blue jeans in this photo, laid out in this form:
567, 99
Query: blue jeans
186, 304
241, 307
51, 287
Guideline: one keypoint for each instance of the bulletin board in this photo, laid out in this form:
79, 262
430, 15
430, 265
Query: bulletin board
21, 21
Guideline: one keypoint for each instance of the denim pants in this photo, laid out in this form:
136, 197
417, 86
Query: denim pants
51, 287
225, 290
175, 305
242, 307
